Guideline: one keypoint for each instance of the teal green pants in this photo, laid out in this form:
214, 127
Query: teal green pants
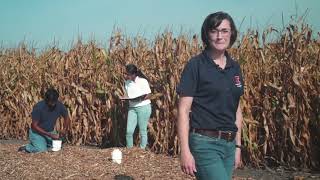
214, 157
38, 143
138, 115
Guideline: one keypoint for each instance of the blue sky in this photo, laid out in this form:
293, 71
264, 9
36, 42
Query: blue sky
41, 22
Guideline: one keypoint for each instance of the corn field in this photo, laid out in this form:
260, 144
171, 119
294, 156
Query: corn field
280, 105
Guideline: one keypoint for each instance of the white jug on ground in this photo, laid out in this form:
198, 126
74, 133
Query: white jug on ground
116, 156
56, 145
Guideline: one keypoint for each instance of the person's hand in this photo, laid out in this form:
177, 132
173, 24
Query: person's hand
237, 162
188, 164
54, 136
62, 133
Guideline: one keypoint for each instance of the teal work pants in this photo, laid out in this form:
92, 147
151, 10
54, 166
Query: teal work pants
38, 143
138, 115
214, 157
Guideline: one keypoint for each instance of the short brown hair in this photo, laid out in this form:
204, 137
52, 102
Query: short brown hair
214, 20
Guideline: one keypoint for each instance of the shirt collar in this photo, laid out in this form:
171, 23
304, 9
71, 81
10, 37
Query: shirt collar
134, 81
229, 61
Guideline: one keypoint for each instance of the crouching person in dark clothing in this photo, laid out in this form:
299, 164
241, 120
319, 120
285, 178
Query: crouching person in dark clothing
44, 116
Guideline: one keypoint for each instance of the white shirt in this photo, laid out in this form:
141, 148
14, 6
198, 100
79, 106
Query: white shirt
136, 88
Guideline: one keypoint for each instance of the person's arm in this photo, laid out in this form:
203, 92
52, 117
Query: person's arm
147, 96
125, 95
66, 126
238, 137
147, 91
66, 123
187, 160
35, 126
142, 97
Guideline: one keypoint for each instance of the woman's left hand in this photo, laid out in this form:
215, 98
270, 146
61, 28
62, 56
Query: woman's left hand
62, 133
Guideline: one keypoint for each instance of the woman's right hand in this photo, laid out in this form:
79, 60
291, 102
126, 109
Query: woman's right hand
188, 164
55, 136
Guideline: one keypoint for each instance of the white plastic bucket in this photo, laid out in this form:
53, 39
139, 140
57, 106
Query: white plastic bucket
116, 156
56, 145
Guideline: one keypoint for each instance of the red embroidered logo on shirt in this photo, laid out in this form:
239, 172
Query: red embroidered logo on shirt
237, 81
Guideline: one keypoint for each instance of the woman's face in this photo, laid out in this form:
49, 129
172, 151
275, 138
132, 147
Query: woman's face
219, 38
130, 76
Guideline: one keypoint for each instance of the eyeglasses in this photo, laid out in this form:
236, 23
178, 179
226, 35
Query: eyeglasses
224, 32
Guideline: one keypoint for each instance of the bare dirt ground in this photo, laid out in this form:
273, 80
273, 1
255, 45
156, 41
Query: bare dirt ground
82, 162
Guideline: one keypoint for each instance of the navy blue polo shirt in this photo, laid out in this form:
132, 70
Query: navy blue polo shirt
216, 92
46, 118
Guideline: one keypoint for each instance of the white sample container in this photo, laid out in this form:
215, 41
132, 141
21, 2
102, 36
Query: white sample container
56, 145
116, 156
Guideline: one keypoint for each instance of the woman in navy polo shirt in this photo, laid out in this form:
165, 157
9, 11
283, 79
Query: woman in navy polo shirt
138, 93
210, 117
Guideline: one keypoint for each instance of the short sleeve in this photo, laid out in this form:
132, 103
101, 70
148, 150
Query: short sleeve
242, 81
126, 86
189, 79
64, 111
36, 113
146, 87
